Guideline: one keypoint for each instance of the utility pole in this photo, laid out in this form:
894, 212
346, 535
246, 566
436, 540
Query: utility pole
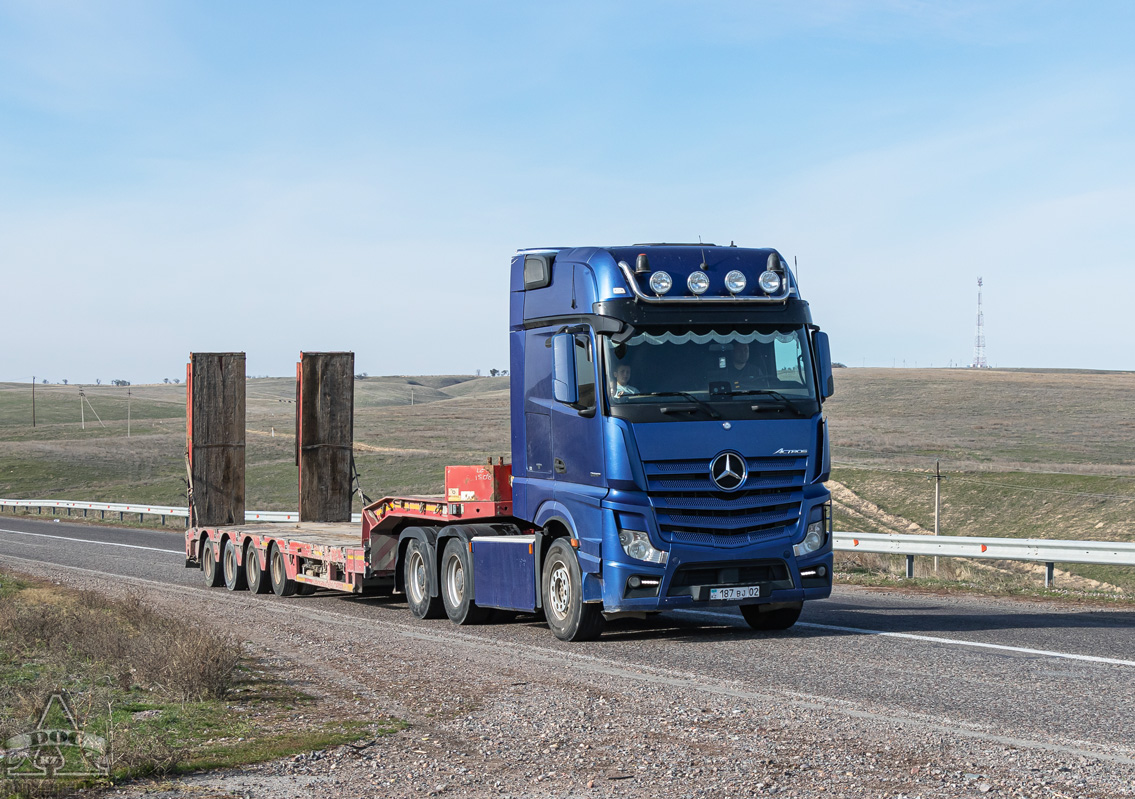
937, 500
82, 411
33, 400
128, 411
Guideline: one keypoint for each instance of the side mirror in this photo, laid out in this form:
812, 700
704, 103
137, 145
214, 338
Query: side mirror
564, 387
824, 363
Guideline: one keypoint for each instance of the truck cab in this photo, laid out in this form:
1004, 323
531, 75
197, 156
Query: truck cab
667, 429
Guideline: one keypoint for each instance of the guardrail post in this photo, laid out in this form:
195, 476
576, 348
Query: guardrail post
1049, 574
910, 565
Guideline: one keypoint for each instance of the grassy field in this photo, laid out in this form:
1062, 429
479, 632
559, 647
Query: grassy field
1046, 454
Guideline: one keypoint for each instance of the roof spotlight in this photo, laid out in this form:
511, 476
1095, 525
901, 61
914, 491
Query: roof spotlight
769, 282
735, 282
660, 282
697, 283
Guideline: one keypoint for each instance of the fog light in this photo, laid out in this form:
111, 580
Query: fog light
660, 282
697, 283
769, 282
735, 282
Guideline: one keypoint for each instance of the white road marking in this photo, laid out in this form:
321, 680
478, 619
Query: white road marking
89, 541
930, 639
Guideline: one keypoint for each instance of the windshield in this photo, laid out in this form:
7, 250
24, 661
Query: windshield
723, 373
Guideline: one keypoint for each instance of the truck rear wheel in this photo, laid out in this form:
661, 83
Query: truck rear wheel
233, 573
209, 565
416, 578
278, 573
779, 619
253, 574
562, 589
456, 571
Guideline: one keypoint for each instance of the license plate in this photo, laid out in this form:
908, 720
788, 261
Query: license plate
735, 592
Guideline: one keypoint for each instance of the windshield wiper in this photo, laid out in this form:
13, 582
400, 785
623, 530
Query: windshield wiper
686, 395
768, 392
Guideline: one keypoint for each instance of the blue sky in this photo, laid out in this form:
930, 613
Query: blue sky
278, 176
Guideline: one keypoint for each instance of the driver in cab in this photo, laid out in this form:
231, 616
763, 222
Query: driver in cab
745, 372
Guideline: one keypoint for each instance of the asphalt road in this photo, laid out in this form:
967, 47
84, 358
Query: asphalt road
1055, 677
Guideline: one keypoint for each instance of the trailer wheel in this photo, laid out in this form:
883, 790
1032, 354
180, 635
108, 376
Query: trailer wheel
779, 619
562, 588
416, 575
233, 573
278, 573
209, 566
455, 573
253, 574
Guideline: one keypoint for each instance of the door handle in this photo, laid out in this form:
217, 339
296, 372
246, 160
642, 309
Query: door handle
559, 466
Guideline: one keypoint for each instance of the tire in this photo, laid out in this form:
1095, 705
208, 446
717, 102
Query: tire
456, 571
305, 589
779, 619
416, 578
254, 576
278, 573
213, 577
232, 572
562, 590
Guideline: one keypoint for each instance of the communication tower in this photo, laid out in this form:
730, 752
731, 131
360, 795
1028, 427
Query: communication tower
979, 339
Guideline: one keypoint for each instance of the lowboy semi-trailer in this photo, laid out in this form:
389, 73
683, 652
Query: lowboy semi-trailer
668, 451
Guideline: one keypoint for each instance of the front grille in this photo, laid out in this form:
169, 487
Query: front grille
691, 509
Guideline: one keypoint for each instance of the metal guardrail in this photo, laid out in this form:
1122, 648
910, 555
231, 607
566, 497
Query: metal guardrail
143, 510
1038, 550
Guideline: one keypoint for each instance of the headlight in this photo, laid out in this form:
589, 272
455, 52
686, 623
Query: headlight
735, 282
769, 282
637, 545
697, 283
660, 282
814, 539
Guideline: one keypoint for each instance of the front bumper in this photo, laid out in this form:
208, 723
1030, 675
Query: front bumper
688, 581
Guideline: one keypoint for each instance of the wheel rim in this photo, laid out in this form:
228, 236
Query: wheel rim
416, 572
230, 563
209, 563
559, 589
251, 567
455, 581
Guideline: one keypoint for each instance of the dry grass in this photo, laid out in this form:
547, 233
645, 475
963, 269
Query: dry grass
106, 654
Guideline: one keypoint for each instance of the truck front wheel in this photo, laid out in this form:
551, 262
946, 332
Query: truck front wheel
779, 619
456, 582
278, 573
416, 577
209, 565
562, 590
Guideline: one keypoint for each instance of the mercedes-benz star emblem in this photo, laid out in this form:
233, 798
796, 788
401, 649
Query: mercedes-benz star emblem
728, 471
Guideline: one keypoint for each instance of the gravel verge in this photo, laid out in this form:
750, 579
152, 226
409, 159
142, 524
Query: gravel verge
490, 719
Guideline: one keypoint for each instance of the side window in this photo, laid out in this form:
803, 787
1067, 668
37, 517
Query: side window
789, 365
585, 371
